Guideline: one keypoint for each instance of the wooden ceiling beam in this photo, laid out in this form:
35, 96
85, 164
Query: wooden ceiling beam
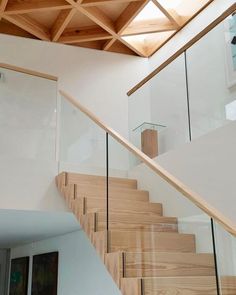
92, 45
147, 27
72, 2
170, 14
109, 43
20, 7
100, 18
125, 19
86, 34
62, 22
88, 3
121, 48
29, 25
3, 5
11, 29
96, 15
127, 16
137, 47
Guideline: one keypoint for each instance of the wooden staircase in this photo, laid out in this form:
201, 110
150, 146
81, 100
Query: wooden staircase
142, 250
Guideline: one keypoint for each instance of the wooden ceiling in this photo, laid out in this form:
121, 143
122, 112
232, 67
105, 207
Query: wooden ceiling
137, 27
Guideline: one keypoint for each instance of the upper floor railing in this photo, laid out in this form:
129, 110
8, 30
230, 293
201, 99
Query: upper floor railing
28, 131
193, 92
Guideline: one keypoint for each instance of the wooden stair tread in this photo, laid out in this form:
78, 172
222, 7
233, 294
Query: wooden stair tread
143, 241
114, 192
89, 205
77, 178
95, 191
170, 264
137, 218
92, 222
192, 285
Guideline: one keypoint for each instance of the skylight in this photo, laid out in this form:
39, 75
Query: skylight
150, 11
170, 4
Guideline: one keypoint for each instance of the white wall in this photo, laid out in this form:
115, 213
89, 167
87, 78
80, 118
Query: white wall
98, 79
211, 160
207, 77
80, 269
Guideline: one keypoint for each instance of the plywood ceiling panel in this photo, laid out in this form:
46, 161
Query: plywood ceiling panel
46, 18
137, 27
80, 20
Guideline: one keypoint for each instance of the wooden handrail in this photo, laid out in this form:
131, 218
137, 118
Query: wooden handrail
172, 180
28, 72
211, 26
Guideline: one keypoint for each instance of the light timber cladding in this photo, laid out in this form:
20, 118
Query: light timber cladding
135, 27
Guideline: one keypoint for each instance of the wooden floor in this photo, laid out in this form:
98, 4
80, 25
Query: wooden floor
143, 250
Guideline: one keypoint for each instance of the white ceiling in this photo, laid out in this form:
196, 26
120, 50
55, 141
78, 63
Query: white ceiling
20, 227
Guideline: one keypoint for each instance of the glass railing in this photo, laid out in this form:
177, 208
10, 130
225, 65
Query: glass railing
226, 259
28, 132
162, 101
156, 230
193, 95
83, 155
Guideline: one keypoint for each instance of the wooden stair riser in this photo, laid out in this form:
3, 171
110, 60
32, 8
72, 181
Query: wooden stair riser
131, 222
87, 222
143, 241
73, 191
76, 178
168, 264
91, 205
68, 193
153, 264
60, 180
114, 193
204, 285
92, 222
115, 265
100, 242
